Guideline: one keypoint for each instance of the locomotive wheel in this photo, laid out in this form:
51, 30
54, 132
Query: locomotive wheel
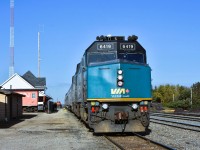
77, 109
83, 113
145, 119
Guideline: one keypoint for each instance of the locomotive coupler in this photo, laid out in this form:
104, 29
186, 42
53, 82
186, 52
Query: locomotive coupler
121, 116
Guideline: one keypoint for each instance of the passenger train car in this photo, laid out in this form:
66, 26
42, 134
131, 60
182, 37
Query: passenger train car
111, 88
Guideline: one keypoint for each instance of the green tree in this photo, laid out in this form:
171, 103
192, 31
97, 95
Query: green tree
163, 93
170, 93
196, 94
183, 92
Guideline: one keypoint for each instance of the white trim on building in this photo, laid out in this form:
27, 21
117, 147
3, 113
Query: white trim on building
16, 82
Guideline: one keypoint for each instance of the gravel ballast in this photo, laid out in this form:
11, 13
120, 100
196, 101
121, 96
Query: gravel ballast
179, 139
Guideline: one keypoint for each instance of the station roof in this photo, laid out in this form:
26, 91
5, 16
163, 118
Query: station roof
39, 82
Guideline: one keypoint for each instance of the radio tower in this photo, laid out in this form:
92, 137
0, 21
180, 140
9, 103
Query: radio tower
11, 68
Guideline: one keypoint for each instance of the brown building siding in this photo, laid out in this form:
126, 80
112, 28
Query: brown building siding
10, 106
2, 106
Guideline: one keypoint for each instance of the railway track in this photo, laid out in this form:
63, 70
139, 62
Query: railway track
178, 121
133, 141
182, 117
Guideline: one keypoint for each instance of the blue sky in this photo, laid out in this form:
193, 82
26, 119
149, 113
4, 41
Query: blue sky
169, 30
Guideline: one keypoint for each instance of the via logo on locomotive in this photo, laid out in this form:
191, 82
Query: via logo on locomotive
120, 91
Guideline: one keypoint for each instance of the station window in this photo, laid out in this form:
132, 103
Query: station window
33, 95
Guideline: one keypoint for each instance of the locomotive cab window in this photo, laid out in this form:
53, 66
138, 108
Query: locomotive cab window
134, 57
101, 57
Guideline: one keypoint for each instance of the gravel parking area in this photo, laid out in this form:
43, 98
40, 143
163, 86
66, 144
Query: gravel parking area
177, 138
56, 131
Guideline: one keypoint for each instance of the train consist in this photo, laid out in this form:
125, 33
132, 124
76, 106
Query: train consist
111, 89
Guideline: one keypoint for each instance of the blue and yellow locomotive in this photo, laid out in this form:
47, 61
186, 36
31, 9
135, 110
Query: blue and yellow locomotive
111, 89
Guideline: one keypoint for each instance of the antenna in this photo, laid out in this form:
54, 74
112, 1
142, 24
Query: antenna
41, 29
11, 67
39, 54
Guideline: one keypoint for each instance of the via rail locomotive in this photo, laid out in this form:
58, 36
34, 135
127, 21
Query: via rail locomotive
111, 89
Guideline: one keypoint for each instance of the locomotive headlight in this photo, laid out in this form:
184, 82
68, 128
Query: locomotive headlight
134, 106
105, 106
119, 71
120, 77
120, 83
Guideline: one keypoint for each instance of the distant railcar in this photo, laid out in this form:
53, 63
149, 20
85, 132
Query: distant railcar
111, 89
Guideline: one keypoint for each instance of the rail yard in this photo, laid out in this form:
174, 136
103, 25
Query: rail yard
179, 136
119, 116
106, 75
62, 130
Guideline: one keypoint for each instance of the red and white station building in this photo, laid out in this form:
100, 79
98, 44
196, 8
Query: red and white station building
31, 87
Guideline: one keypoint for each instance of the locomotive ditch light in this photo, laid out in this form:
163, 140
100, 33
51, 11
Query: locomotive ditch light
135, 106
105, 106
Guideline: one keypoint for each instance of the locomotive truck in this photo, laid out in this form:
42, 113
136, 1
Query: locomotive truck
111, 88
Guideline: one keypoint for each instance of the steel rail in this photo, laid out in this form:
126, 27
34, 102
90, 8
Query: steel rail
170, 121
157, 143
176, 116
116, 144
144, 138
196, 130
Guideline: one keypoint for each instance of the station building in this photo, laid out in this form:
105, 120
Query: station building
32, 87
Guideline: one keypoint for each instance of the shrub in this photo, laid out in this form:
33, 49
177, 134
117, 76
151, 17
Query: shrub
185, 104
196, 104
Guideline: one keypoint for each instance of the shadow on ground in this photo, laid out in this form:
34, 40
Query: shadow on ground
14, 121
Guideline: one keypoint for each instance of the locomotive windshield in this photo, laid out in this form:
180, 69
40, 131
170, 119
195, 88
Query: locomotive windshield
97, 57
134, 57
101, 57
